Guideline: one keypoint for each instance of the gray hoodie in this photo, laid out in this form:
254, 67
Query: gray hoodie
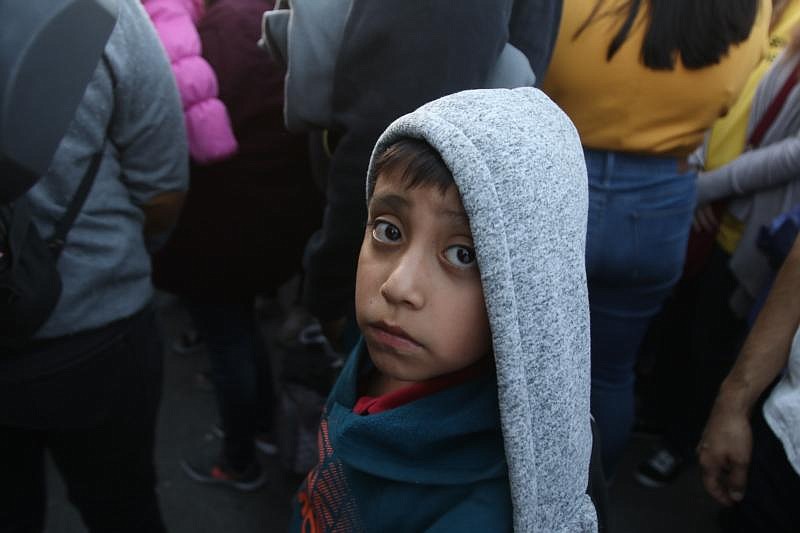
518, 164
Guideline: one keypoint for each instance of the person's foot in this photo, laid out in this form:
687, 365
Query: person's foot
213, 469
660, 469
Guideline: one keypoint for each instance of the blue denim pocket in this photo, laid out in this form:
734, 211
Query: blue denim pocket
639, 219
660, 231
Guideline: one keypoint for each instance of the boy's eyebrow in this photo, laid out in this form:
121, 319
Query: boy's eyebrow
392, 202
395, 202
457, 216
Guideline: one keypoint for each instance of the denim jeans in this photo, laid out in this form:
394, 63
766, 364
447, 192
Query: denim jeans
240, 372
97, 419
640, 211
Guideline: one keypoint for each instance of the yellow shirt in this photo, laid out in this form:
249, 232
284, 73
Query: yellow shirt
727, 138
624, 106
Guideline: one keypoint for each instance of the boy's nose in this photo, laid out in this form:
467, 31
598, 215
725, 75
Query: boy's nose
406, 281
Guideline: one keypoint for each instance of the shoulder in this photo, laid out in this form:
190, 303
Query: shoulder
134, 51
134, 32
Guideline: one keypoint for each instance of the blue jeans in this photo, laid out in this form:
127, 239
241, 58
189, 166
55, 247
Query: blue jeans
640, 211
240, 371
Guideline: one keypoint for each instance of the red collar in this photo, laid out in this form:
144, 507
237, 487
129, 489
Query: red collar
370, 405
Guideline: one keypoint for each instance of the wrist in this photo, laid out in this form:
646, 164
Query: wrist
736, 396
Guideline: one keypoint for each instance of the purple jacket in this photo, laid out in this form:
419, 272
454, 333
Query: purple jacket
208, 126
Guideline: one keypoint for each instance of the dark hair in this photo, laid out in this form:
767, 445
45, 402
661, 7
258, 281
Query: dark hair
699, 31
416, 163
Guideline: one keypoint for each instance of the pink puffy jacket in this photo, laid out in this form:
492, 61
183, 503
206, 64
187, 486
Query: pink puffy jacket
208, 126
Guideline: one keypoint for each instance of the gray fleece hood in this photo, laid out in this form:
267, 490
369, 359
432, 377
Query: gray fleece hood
518, 164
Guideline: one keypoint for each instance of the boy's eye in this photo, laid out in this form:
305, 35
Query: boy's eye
387, 232
460, 256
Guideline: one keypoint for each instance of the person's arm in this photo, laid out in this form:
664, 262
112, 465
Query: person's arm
763, 168
148, 130
533, 29
726, 446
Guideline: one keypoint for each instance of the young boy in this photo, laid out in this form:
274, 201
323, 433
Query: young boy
466, 405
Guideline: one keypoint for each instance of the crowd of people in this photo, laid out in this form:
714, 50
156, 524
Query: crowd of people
497, 259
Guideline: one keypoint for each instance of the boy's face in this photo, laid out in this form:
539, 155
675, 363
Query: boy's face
419, 300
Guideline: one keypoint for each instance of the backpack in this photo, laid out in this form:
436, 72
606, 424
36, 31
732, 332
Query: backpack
30, 284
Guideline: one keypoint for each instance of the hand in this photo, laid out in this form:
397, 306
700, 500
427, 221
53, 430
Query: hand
724, 453
161, 212
705, 220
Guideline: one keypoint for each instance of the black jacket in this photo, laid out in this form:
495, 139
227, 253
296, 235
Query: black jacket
396, 56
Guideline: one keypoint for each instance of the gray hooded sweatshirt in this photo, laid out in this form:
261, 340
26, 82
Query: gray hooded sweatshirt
518, 164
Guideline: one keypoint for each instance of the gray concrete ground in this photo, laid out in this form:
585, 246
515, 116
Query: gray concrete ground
188, 413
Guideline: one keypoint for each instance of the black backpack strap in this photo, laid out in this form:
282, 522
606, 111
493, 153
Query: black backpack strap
56, 242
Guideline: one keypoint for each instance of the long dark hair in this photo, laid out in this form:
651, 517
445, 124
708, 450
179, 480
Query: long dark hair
699, 31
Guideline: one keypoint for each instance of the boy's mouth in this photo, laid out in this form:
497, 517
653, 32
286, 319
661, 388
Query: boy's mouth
392, 336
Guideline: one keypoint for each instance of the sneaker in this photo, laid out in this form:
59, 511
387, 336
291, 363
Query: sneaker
213, 470
660, 469
264, 441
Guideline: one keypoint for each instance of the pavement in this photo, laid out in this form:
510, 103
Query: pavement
188, 413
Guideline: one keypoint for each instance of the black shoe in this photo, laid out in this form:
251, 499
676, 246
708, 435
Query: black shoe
213, 469
660, 469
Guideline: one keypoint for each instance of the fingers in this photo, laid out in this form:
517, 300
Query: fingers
715, 489
712, 224
724, 459
705, 220
725, 484
712, 469
698, 222
737, 481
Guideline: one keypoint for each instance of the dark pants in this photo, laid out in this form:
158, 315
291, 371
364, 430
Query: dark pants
773, 486
96, 417
241, 374
698, 346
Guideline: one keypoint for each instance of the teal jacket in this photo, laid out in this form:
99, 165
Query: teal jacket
435, 464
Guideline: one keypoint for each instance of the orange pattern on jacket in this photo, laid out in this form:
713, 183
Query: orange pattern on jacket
326, 503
